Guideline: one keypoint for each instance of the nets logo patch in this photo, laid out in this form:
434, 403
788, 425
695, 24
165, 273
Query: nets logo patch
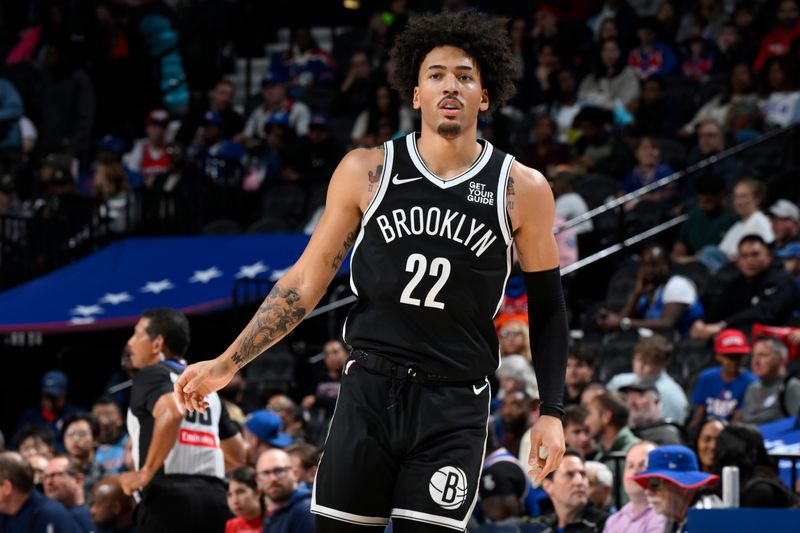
448, 487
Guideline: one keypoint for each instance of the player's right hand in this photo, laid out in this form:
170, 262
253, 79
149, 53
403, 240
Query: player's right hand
201, 379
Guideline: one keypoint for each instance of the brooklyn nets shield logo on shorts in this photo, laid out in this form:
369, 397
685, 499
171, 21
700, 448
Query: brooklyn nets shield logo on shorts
448, 487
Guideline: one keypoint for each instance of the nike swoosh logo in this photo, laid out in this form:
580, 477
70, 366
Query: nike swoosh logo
477, 390
398, 181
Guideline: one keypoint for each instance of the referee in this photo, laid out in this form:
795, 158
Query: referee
180, 459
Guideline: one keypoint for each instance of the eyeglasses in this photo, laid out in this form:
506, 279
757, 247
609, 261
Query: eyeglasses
277, 472
53, 475
654, 484
510, 333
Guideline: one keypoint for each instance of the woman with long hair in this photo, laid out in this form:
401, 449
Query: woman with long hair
611, 80
742, 445
748, 195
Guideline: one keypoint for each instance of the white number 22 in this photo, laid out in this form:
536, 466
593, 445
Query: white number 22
418, 264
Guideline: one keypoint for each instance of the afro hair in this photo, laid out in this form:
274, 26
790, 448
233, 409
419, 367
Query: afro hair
485, 40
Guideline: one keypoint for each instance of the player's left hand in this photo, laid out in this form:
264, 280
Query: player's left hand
547, 447
132, 481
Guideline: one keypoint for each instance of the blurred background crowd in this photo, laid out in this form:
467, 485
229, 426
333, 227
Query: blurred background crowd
136, 117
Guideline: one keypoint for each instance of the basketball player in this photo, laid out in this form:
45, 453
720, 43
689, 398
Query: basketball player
431, 218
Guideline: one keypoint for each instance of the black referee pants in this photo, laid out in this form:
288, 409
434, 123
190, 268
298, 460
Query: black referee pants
178, 502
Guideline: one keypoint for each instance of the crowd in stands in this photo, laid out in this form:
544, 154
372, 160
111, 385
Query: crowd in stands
694, 346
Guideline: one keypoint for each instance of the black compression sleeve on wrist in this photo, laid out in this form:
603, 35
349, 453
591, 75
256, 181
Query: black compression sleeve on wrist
547, 316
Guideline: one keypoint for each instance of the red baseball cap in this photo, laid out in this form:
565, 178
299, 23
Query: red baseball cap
731, 342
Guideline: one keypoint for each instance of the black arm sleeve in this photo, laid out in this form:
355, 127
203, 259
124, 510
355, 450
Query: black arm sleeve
547, 316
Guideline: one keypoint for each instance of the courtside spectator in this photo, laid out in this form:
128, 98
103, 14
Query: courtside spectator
515, 339
305, 459
22, 508
774, 395
35, 439
708, 220
149, 156
112, 438
245, 501
741, 445
650, 357
220, 100
671, 482
706, 442
288, 504
580, 371
645, 420
611, 83
758, 292
636, 515
291, 416
777, 42
327, 380
568, 489
273, 90
748, 195
81, 431
601, 483
547, 153
576, 432
660, 300
570, 204
608, 425
711, 141
53, 407
112, 509
785, 217
652, 58
264, 430
719, 391
780, 101
63, 482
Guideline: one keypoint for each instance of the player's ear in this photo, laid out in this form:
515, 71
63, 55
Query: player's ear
415, 98
158, 344
484, 105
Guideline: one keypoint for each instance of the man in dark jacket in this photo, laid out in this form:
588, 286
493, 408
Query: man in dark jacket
568, 489
22, 508
759, 292
289, 505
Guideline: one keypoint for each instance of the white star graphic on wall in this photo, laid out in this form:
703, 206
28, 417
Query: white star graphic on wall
157, 287
204, 276
115, 298
86, 310
81, 320
278, 274
251, 271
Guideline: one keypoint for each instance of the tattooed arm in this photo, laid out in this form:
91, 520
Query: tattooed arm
352, 187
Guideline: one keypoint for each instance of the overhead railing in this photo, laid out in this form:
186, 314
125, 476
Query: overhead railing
675, 176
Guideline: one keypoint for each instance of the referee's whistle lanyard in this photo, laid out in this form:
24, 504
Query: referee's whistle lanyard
176, 364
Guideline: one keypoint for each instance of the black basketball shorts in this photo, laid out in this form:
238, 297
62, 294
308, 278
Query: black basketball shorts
402, 449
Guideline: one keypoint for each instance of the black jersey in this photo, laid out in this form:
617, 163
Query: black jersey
430, 264
197, 450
